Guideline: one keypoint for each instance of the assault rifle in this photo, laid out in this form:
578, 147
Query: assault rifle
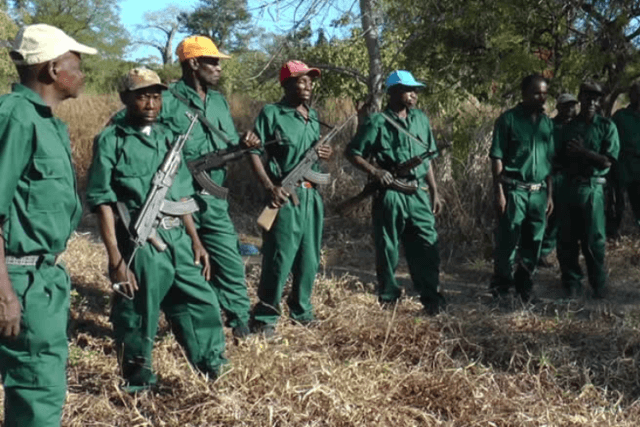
156, 205
202, 165
400, 171
302, 171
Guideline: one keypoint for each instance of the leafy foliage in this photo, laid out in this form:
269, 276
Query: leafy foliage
225, 21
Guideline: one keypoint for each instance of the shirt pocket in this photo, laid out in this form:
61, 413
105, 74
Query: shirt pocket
519, 148
50, 187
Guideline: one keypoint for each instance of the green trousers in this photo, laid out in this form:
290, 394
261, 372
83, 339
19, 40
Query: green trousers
550, 240
221, 241
33, 366
399, 217
168, 280
582, 224
292, 245
522, 227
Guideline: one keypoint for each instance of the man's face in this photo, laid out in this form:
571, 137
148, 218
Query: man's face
209, 71
589, 103
535, 95
405, 96
143, 105
568, 110
70, 79
300, 88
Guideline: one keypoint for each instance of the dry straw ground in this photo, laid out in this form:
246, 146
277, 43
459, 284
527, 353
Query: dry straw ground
555, 364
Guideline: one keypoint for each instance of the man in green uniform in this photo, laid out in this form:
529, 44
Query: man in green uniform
201, 70
39, 209
588, 146
521, 156
392, 137
127, 155
567, 106
293, 242
627, 121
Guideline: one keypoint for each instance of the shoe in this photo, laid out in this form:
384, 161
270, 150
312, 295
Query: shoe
544, 262
434, 308
600, 293
388, 305
267, 330
529, 298
241, 331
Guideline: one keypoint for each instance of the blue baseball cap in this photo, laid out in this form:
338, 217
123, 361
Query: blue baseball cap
404, 78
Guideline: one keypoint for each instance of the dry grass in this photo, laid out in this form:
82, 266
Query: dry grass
558, 364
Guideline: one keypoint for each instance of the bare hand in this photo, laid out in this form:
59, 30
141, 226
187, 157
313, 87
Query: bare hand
550, 206
324, 151
10, 313
500, 203
123, 277
279, 197
436, 204
201, 257
250, 140
383, 177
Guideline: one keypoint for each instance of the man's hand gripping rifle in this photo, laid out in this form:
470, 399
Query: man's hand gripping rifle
199, 167
300, 173
156, 207
399, 172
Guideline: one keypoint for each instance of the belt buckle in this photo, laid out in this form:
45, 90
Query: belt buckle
535, 187
166, 223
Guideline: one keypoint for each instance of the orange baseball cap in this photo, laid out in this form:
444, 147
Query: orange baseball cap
297, 69
196, 46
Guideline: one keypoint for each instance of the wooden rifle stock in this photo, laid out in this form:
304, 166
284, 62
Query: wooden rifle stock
268, 217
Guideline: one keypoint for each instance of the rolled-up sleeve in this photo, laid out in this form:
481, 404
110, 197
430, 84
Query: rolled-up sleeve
365, 138
500, 138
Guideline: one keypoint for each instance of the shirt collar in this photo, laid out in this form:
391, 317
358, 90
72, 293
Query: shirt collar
286, 108
32, 97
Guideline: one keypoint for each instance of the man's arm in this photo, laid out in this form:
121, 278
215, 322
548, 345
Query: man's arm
279, 195
10, 310
118, 271
436, 203
575, 148
499, 199
550, 205
382, 176
201, 257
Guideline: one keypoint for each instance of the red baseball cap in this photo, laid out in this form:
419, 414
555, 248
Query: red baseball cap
297, 69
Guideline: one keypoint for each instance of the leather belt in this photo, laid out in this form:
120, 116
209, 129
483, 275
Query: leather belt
588, 181
532, 188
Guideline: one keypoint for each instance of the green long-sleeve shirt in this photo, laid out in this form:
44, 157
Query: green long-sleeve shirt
600, 136
202, 141
124, 163
389, 146
296, 135
526, 148
39, 204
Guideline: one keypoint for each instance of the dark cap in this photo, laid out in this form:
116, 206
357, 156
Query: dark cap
591, 86
566, 98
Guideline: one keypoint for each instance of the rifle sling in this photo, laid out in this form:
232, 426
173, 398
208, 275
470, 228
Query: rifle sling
201, 117
403, 130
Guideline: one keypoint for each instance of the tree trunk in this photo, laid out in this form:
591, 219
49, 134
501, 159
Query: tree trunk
370, 22
167, 55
